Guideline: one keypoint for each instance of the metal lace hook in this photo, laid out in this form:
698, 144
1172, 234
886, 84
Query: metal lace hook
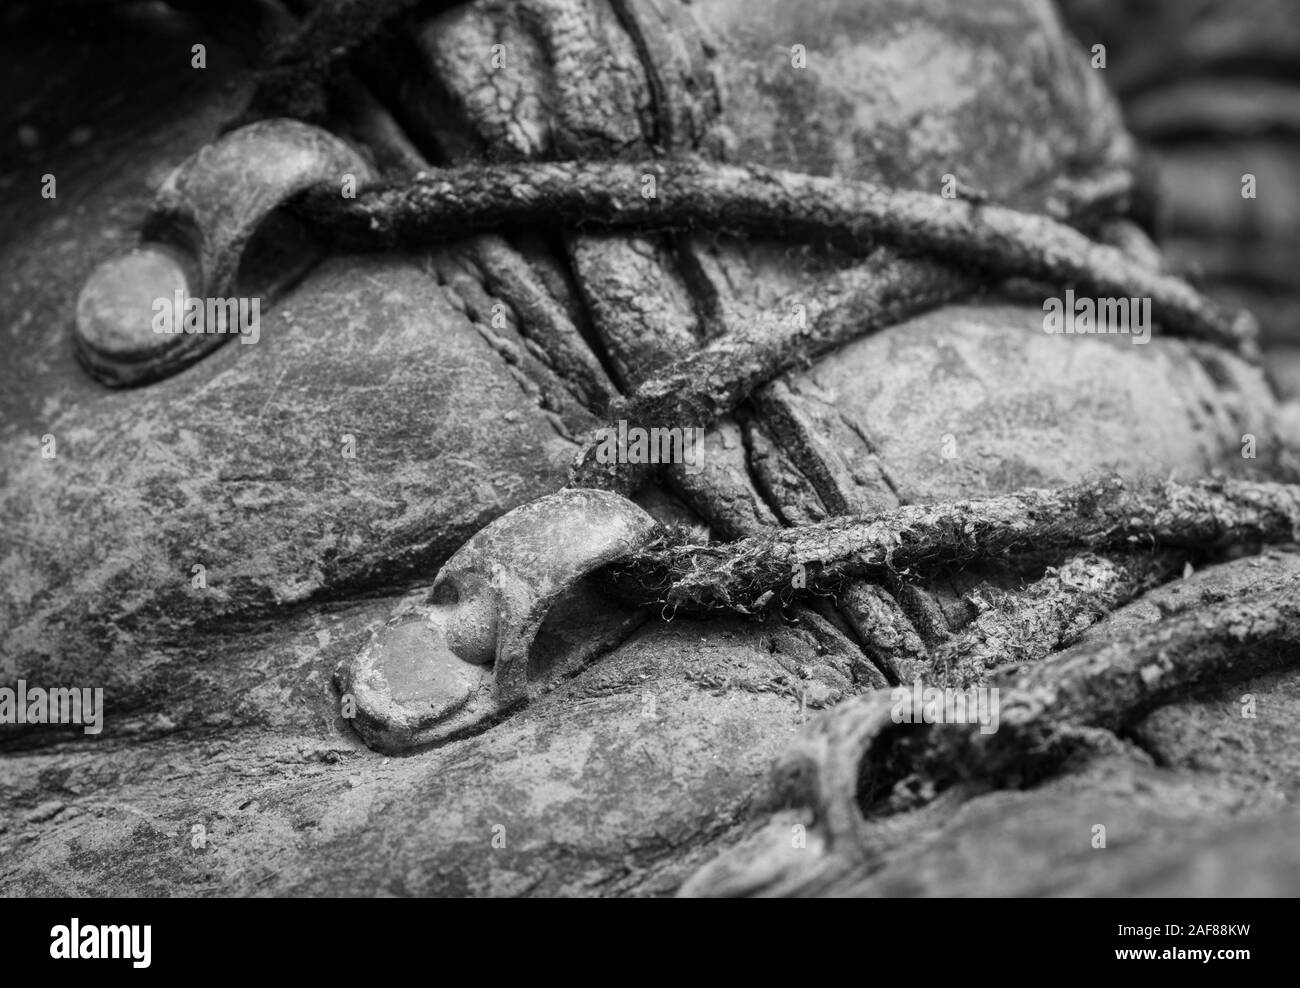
216, 206
459, 657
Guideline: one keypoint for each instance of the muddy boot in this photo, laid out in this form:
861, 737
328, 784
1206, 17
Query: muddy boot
469, 451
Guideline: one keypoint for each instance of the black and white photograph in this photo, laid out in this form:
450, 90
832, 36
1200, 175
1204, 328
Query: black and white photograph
678, 449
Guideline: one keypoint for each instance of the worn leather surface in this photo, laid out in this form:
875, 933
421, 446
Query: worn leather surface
624, 780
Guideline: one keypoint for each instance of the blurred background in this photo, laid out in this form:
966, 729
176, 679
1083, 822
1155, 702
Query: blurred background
1211, 89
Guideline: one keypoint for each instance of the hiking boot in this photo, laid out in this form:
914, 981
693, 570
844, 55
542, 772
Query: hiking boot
372, 611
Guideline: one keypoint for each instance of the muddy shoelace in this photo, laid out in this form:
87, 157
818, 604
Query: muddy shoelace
973, 242
1113, 540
